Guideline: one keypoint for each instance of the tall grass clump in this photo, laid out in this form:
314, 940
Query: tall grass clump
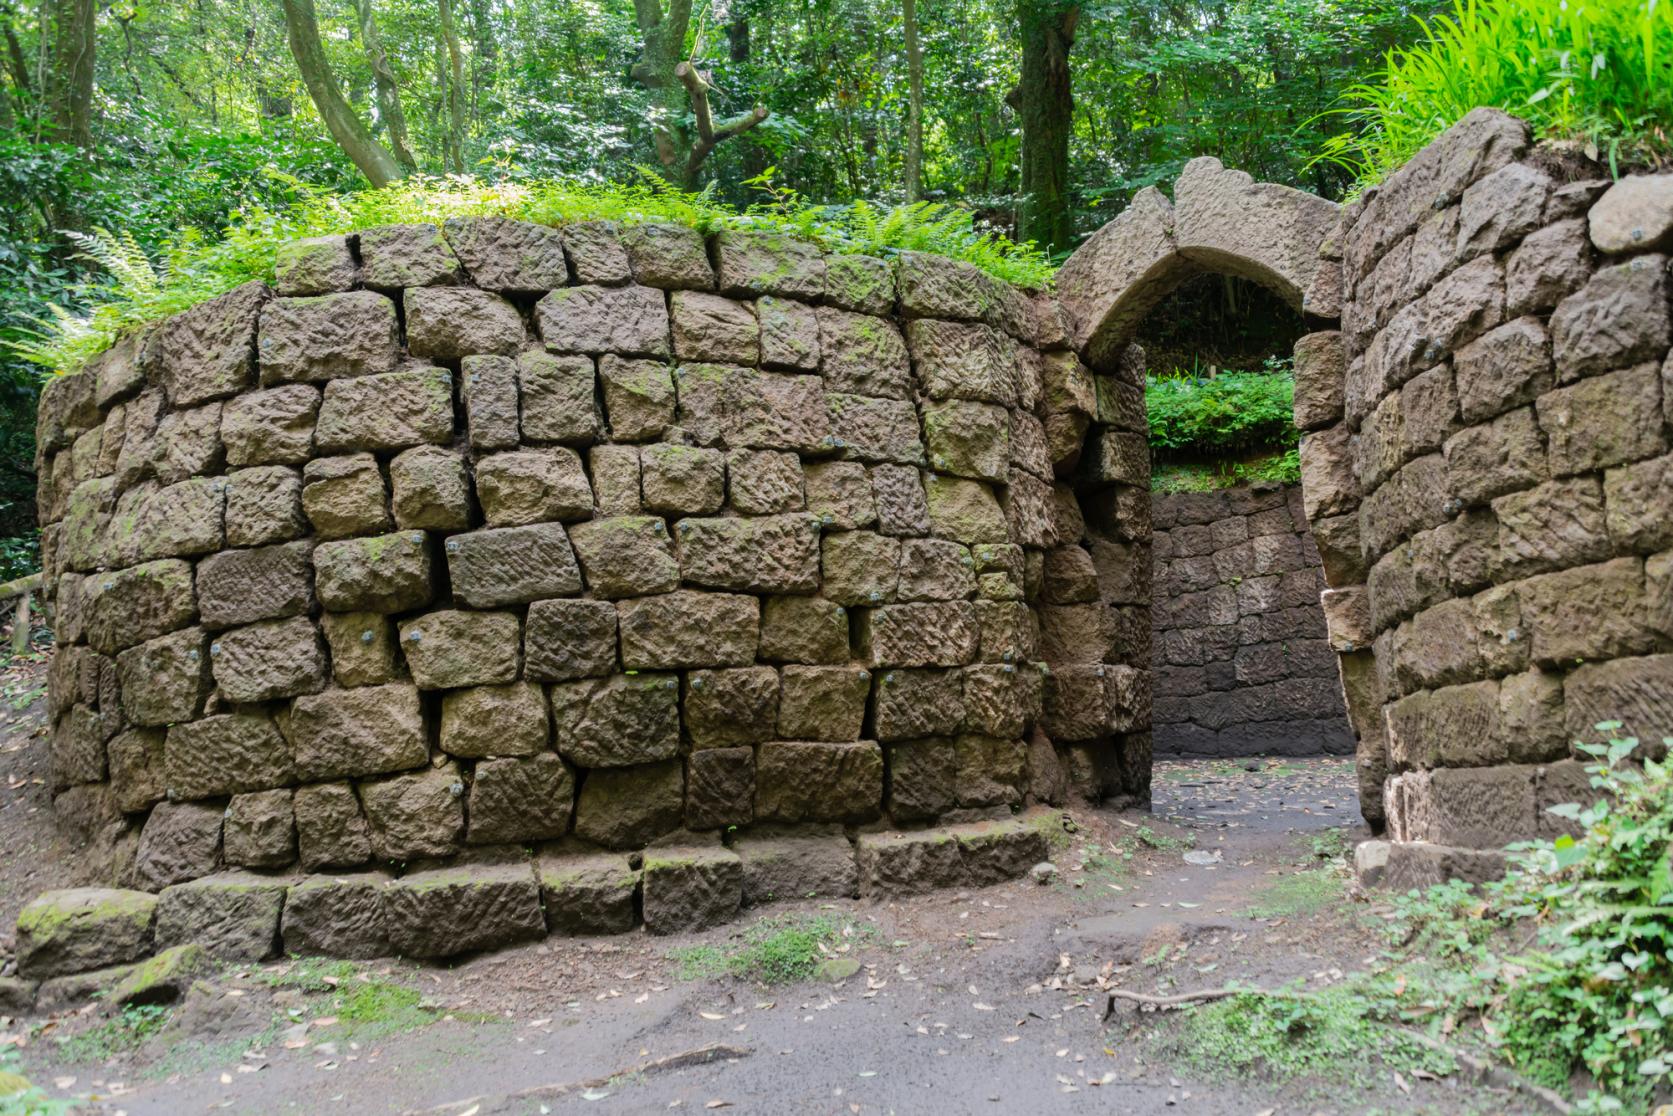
1597, 72
132, 289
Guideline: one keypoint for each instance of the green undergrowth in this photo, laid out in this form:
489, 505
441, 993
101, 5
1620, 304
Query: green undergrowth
1210, 476
365, 1006
1562, 971
20, 1096
1232, 428
776, 950
136, 290
1595, 72
1299, 893
127, 1030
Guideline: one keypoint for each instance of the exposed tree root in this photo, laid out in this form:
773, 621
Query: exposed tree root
701, 1056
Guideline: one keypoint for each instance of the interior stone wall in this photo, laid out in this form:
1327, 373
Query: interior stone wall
496, 537
1242, 662
1488, 478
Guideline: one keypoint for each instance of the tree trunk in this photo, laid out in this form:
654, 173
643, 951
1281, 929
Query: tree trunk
754, 156
350, 132
383, 82
69, 86
455, 89
677, 87
914, 106
485, 58
1044, 100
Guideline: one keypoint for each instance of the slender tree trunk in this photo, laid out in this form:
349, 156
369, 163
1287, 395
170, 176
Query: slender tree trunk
678, 87
383, 83
1045, 102
914, 106
738, 47
70, 81
455, 89
346, 127
485, 58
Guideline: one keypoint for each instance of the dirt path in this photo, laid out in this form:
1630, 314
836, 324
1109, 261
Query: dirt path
989, 1000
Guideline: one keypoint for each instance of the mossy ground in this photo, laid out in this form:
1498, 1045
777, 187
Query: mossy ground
778, 950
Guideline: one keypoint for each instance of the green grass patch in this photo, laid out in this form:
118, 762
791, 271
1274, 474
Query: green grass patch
1299, 893
137, 290
1282, 467
1333, 1037
1599, 72
778, 950
1149, 838
127, 1030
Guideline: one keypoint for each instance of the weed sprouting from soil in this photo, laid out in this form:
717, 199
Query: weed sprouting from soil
777, 950
126, 1030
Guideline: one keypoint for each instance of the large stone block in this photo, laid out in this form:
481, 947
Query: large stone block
519, 799
691, 888
1328, 483
446, 323
204, 353
136, 769
233, 916
334, 335
626, 556
664, 254
689, 629
620, 721
181, 841
336, 916
84, 928
268, 660
588, 894
264, 505
959, 360
799, 781
273, 427
490, 395
1508, 367
512, 257
839, 495
1606, 420
720, 788
564, 640
557, 398
727, 708
1617, 319
165, 680
1498, 457
260, 830
914, 703
823, 702
632, 321
863, 355
417, 815
345, 496
682, 480
804, 630
443, 912
226, 754
315, 265
902, 508
638, 397
596, 253
431, 489
130, 606
762, 554
629, 807
385, 573
331, 830
875, 430
1320, 363
363, 731
709, 327
362, 648
489, 721
795, 867
752, 262
394, 257
1637, 500
449, 648
913, 635
523, 487
764, 482
264, 583
1636, 692
386, 412
512, 565
1558, 524
1588, 613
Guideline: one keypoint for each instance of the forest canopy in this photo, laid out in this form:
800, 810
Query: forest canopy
154, 151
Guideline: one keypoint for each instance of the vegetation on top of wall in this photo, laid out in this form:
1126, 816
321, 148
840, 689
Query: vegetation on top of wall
1225, 414
1599, 72
134, 291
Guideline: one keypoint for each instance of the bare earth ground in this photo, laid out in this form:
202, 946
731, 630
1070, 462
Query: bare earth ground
988, 1000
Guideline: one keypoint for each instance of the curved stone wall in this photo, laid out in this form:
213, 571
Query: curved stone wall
1489, 480
495, 535
1242, 663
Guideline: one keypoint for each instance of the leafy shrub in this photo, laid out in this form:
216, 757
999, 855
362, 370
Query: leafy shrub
1598, 71
1592, 990
195, 268
1235, 412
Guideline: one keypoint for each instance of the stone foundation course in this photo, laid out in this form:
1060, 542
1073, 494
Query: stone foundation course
475, 539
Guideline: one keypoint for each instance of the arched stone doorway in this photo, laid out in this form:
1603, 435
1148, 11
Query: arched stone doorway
1220, 222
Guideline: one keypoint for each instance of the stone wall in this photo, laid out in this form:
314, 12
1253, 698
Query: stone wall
503, 536
1242, 665
1489, 480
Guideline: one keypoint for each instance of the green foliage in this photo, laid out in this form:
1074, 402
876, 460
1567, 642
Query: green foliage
21, 1097
1329, 1036
136, 292
1298, 893
1233, 412
126, 1030
1597, 71
778, 950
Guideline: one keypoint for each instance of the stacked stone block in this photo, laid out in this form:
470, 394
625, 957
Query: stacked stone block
1242, 662
1488, 476
468, 538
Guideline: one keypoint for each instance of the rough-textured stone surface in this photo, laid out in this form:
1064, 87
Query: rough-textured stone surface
80, 929
233, 916
336, 916
691, 888
446, 911
588, 894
